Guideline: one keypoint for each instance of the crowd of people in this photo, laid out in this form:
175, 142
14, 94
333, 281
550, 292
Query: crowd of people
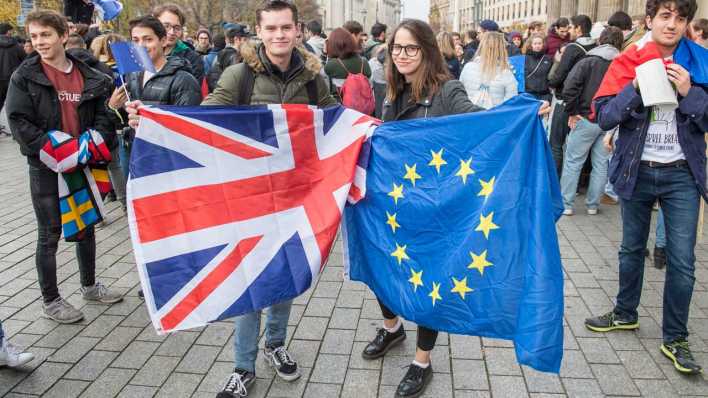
65, 78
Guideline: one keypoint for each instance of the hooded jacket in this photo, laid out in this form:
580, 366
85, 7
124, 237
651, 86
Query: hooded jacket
11, 56
573, 53
33, 108
272, 86
194, 60
171, 85
585, 78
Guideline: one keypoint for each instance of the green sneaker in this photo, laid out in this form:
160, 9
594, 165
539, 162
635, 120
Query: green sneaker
610, 321
679, 352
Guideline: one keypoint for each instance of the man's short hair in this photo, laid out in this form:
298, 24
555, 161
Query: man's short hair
621, 20
150, 22
315, 27
353, 27
584, 22
378, 28
4, 28
561, 22
613, 36
49, 18
170, 7
75, 41
685, 8
276, 5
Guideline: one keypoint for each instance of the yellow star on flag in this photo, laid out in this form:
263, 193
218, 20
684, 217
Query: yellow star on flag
391, 220
487, 188
486, 224
416, 279
435, 294
479, 262
397, 192
461, 287
465, 170
411, 174
437, 160
400, 253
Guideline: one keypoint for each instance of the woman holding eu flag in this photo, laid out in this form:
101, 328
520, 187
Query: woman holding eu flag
419, 86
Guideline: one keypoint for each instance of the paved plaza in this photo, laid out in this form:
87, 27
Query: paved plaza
115, 351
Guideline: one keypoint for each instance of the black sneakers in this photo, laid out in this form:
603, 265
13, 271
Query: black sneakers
610, 321
383, 342
237, 384
415, 381
283, 363
659, 257
680, 354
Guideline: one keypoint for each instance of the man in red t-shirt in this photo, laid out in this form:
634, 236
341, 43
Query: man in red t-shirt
54, 91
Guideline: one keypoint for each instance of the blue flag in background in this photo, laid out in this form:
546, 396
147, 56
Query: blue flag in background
518, 66
131, 57
110, 9
457, 228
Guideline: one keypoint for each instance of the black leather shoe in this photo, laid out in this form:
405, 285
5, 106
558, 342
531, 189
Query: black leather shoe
383, 342
415, 381
659, 257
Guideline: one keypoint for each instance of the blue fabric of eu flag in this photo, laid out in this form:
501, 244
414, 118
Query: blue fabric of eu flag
131, 57
518, 67
457, 228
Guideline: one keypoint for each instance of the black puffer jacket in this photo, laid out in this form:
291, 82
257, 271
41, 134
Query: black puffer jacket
172, 85
33, 107
194, 60
536, 68
451, 99
573, 53
11, 56
226, 57
86, 57
585, 78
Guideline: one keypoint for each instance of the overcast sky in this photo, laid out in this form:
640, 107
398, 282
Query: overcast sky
418, 9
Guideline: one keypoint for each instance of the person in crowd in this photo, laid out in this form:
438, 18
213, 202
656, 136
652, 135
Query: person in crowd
699, 29
537, 67
471, 45
344, 57
173, 19
313, 35
534, 27
11, 56
378, 77
623, 21
447, 50
419, 86
488, 78
204, 42
585, 137
230, 55
516, 39
579, 31
456, 38
300, 39
378, 37
558, 36
357, 31
80, 106
672, 173
459, 53
11, 355
29, 49
79, 11
265, 65
218, 45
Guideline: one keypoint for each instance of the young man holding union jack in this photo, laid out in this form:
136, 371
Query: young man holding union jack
660, 155
275, 72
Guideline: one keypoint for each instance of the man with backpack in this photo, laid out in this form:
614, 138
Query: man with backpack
236, 35
274, 72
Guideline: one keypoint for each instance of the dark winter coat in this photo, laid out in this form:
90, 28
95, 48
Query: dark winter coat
453, 66
585, 78
627, 111
537, 66
78, 11
11, 56
194, 60
573, 53
225, 58
33, 108
451, 99
172, 85
86, 57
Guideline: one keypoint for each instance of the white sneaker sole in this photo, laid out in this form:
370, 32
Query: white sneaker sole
284, 376
103, 301
63, 321
29, 358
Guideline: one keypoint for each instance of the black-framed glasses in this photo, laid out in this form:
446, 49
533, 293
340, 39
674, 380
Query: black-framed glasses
411, 50
176, 28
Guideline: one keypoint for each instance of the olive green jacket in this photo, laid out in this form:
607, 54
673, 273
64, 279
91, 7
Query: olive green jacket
269, 86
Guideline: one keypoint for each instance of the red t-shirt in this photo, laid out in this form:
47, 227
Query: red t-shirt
69, 87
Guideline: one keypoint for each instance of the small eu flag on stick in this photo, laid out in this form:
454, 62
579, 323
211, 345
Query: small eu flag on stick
131, 58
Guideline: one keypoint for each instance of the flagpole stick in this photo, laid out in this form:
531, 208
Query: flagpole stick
125, 89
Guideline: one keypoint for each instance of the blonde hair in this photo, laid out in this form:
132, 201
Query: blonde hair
529, 42
101, 46
492, 54
445, 42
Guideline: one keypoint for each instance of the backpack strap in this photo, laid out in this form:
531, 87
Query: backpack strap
343, 66
311, 87
246, 87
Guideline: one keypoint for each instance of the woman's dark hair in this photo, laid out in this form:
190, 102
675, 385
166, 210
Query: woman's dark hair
340, 44
584, 22
613, 36
702, 25
685, 8
621, 20
81, 29
432, 72
150, 22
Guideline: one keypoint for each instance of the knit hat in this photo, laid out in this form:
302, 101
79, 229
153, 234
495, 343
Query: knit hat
489, 25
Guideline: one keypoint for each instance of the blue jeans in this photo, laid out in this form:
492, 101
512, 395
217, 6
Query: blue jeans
660, 230
247, 327
679, 199
124, 154
585, 139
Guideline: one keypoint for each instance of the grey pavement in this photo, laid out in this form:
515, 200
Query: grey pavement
115, 351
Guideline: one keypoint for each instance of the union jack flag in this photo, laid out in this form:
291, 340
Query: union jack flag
234, 209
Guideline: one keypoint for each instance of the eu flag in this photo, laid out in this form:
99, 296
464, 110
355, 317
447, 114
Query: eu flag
131, 57
457, 228
518, 68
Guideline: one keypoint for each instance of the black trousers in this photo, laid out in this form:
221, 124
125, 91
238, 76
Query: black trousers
559, 132
45, 200
426, 337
